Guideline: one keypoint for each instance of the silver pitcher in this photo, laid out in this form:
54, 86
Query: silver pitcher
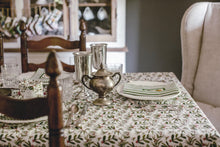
101, 82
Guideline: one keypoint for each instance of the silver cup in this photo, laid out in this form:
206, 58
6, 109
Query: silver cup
83, 64
99, 52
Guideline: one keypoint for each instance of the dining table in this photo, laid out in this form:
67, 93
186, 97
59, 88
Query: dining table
126, 122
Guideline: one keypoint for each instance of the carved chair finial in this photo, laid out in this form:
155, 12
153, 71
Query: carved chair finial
82, 25
23, 26
53, 65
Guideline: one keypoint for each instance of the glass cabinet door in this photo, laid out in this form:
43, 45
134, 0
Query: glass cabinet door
57, 17
100, 17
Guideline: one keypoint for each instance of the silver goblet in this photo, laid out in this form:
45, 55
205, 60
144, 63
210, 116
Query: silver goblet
83, 66
99, 52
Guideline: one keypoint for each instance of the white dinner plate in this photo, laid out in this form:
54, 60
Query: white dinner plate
160, 85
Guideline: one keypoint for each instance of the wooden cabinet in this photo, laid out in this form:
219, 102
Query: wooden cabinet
105, 22
61, 17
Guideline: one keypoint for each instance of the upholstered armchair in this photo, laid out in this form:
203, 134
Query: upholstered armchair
200, 40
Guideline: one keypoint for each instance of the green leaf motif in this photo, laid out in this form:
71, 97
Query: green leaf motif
138, 138
103, 139
78, 141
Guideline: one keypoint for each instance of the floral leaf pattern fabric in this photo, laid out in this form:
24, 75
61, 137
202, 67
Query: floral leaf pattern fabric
126, 122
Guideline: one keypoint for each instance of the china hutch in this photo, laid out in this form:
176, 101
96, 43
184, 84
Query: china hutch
105, 20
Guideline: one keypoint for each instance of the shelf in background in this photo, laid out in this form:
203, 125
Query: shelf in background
94, 4
43, 5
11, 50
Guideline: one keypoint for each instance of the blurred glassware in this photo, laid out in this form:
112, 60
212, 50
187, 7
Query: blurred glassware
114, 67
10, 72
102, 14
88, 14
67, 87
99, 52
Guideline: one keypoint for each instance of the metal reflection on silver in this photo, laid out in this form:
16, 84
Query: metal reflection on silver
83, 64
99, 52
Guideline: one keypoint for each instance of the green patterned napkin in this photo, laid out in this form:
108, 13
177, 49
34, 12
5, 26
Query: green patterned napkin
148, 90
40, 75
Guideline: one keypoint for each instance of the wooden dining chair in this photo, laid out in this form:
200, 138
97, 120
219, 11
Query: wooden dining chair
1, 50
46, 43
38, 107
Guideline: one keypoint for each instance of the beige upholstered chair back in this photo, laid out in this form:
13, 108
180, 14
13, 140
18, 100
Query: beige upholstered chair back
200, 38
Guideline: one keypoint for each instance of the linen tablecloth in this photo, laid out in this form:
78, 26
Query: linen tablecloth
126, 122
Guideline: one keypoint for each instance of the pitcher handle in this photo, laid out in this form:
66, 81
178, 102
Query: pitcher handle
117, 73
83, 79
